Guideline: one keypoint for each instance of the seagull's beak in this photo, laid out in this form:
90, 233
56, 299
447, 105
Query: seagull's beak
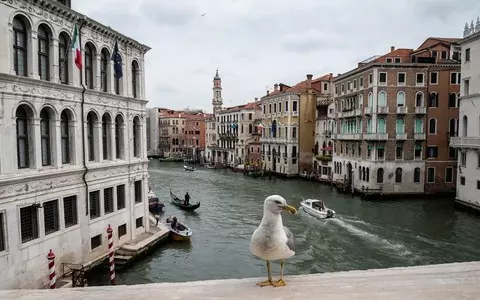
290, 209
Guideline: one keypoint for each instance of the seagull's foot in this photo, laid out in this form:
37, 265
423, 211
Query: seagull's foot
280, 282
265, 283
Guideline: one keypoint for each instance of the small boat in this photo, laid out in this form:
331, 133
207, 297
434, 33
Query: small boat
154, 204
188, 168
181, 203
181, 232
210, 166
317, 209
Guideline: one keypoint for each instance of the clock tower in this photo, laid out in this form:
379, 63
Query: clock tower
217, 101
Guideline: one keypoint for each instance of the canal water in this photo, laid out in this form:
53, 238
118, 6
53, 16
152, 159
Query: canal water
364, 235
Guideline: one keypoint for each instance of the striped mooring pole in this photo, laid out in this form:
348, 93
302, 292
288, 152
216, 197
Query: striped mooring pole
51, 269
111, 255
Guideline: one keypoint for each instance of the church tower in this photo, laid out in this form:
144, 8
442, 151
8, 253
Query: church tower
217, 101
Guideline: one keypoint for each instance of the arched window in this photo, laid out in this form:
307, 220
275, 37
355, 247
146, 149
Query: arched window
364, 174
250, 128
400, 99
370, 99
369, 125
359, 173
419, 99
432, 126
65, 121
45, 137
400, 126
452, 130
433, 100
136, 137
135, 81
23, 116
91, 120
398, 175
89, 55
20, 46
104, 64
465, 126
106, 121
416, 175
418, 125
44, 52
360, 101
381, 125
63, 48
382, 99
368, 174
380, 175
452, 100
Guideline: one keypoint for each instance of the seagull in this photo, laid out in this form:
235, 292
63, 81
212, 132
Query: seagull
271, 240
204, 14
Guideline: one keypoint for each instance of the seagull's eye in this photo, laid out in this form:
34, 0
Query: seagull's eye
278, 202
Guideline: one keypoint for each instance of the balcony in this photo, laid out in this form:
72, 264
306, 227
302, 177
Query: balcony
465, 142
382, 110
420, 110
420, 136
375, 136
334, 136
350, 136
358, 112
368, 110
401, 136
402, 110
327, 133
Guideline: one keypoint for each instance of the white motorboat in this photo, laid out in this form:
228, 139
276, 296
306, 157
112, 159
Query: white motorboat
188, 168
317, 209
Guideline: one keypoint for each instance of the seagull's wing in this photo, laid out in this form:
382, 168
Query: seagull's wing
290, 238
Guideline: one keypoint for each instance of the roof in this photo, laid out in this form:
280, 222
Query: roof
401, 52
301, 87
248, 106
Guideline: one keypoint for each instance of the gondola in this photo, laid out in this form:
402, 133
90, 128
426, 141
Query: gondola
154, 205
180, 203
188, 168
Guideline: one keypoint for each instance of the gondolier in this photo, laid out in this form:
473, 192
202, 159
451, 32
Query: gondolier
187, 199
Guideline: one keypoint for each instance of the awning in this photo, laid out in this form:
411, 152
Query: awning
328, 148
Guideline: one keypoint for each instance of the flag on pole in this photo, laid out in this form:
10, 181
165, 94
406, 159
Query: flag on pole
76, 52
117, 62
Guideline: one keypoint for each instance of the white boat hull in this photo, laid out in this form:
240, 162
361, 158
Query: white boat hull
325, 214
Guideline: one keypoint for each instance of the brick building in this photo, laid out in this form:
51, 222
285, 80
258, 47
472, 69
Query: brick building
194, 136
395, 114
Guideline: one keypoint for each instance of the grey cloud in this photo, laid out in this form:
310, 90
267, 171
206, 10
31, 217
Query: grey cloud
169, 13
312, 40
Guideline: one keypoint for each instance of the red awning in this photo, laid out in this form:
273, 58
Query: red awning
328, 148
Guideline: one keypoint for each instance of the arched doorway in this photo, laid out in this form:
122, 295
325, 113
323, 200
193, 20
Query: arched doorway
274, 160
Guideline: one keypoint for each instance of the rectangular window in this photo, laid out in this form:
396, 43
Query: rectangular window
449, 174
452, 153
108, 200
139, 222
478, 184
444, 54
399, 152
354, 83
361, 82
96, 241
138, 191
325, 87
3, 235
294, 107
343, 88
467, 54
398, 60
418, 152
420, 79
50, 217
455, 78
380, 153
463, 158
349, 86
462, 180
434, 78
466, 87
431, 175
94, 204
122, 230
432, 152
294, 132
389, 60
29, 223
286, 106
70, 211
370, 79
382, 78
401, 78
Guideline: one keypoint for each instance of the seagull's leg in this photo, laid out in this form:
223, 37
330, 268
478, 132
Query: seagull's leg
280, 282
269, 281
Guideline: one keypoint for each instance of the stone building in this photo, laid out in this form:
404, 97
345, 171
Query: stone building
395, 115
468, 140
210, 138
325, 128
72, 160
194, 136
153, 132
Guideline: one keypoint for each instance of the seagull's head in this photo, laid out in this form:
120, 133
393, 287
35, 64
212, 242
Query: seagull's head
277, 204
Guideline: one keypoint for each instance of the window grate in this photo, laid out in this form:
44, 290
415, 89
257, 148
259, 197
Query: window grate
50, 216
94, 205
29, 223
121, 197
70, 211
139, 222
108, 200
122, 230
3, 242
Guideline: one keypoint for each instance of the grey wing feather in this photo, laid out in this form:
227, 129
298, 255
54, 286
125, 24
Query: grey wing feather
290, 239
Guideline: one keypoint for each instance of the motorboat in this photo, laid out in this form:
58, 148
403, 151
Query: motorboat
188, 168
317, 209
210, 166
154, 204
180, 232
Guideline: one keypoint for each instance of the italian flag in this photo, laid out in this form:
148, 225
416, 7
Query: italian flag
76, 52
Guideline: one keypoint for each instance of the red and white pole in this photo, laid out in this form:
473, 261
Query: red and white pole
111, 255
51, 269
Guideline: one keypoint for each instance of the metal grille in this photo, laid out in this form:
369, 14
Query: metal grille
121, 196
108, 200
50, 216
122, 230
94, 205
3, 243
70, 211
138, 191
139, 222
96, 241
29, 223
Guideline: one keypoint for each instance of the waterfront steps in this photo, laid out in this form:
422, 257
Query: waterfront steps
439, 282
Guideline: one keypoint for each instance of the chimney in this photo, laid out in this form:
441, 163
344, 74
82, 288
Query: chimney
392, 48
256, 99
309, 81
275, 87
268, 92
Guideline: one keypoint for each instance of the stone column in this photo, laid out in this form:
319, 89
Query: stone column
98, 138
111, 140
111, 78
37, 145
142, 76
33, 56
10, 57
96, 72
54, 63
56, 139
74, 147
72, 70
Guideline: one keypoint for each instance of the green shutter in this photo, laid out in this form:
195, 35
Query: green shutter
380, 147
418, 147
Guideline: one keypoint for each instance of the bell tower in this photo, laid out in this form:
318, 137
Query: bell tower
217, 101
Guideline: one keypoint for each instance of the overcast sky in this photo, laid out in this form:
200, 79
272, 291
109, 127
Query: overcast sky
257, 43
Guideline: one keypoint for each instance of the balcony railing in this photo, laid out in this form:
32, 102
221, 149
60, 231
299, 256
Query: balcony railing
382, 110
401, 136
402, 110
420, 136
358, 112
465, 142
420, 110
375, 136
350, 136
368, 110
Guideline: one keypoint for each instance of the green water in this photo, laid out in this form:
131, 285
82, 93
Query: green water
364, 235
